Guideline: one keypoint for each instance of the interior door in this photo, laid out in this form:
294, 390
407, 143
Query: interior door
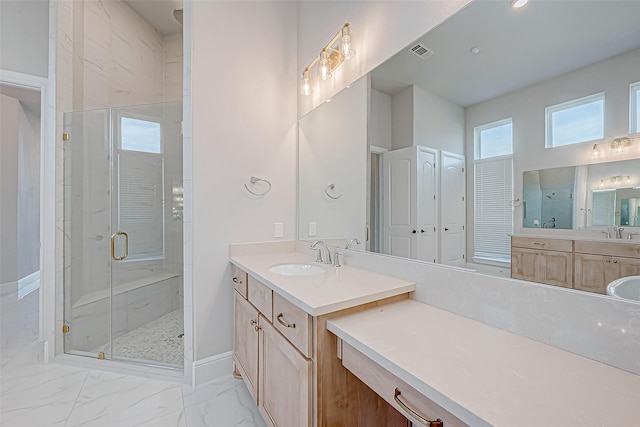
427, 214
399, 203
452, 208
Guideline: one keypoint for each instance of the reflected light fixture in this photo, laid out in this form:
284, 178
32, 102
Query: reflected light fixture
595, 151
330, 57
620, 144
306, 89
517, 4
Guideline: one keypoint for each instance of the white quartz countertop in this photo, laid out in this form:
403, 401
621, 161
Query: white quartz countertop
487, 376
335, 289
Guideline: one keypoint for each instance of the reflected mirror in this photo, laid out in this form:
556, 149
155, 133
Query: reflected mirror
420, 104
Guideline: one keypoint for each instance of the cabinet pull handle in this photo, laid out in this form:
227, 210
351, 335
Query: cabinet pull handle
607, 260
539, 244
615, 261
257, 327
283, 323
236, 280
437, 423
253, 321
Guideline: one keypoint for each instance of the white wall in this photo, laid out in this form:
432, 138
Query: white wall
244, 87
24, 36
380, 120
20, 189
402, 119
527, 108
380, 29
437, 122
333, 149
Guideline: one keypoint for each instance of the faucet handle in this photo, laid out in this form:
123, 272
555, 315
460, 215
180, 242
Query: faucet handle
336, 258
608, 233
630, 235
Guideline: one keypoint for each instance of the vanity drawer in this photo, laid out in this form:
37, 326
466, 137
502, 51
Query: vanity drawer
260, 296
385, 384
630, 250
561, 245
294, 323
239, 279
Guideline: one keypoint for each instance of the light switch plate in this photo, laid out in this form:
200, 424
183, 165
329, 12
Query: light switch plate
312, 229
278, 229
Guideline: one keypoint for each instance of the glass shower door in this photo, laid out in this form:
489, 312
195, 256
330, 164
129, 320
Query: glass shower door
123, 282
87, 231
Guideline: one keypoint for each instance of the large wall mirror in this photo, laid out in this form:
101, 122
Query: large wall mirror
414, 110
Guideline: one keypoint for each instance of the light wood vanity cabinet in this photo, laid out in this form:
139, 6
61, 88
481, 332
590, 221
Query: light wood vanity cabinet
547, 261
287, 359
581, 264
599, 263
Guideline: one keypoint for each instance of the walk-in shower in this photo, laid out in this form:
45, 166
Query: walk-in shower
123, 238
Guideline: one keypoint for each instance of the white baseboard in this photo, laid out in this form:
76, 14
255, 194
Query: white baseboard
211, 368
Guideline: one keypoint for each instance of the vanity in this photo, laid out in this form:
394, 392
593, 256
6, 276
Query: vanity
346, 346
582, 264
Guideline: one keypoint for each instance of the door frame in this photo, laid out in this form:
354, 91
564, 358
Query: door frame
47, 202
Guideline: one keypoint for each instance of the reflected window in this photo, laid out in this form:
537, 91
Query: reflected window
494, 139
576, 121
634, 108
493, 191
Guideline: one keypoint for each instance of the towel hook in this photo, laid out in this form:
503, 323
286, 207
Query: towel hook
253, 180
331, 186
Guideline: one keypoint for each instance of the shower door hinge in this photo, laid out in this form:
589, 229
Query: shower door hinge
65, 329
101, 356
65, 136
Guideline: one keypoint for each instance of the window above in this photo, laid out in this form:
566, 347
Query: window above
140, 135
634, 108
575, 121
494, 139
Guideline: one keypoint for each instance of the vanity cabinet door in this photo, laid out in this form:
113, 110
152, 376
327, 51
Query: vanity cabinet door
628, 266
594, 272
555, 268
285, 381
524, 264
245, 344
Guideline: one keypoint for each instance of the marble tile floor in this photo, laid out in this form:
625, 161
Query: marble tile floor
34, 394
157, 341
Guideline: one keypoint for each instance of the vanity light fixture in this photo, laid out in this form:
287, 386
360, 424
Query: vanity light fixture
330, 57
595, 151
620, 144
517, 4
615, 181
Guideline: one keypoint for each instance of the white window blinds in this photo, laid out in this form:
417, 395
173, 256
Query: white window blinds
141, 203
493, 219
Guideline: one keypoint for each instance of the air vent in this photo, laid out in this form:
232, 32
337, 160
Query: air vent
421, 50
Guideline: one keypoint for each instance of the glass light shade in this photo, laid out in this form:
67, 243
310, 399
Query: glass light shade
595, 152
324, 66
305, 88
345, 44
516, 4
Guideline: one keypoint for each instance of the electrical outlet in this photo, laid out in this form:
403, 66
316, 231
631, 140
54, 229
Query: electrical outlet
278, 229
313, 229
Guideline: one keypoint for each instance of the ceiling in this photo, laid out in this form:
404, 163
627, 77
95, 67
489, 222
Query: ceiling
158, 13
518, 47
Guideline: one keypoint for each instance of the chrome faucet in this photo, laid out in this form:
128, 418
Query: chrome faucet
351, 242
323, 252
618, 231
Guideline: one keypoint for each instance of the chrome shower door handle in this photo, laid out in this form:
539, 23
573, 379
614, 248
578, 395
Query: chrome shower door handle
113, 246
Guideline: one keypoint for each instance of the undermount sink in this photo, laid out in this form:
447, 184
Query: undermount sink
296, 269
625, 288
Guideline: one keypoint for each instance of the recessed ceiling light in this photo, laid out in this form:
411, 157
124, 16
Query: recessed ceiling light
518, 3
475, 50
